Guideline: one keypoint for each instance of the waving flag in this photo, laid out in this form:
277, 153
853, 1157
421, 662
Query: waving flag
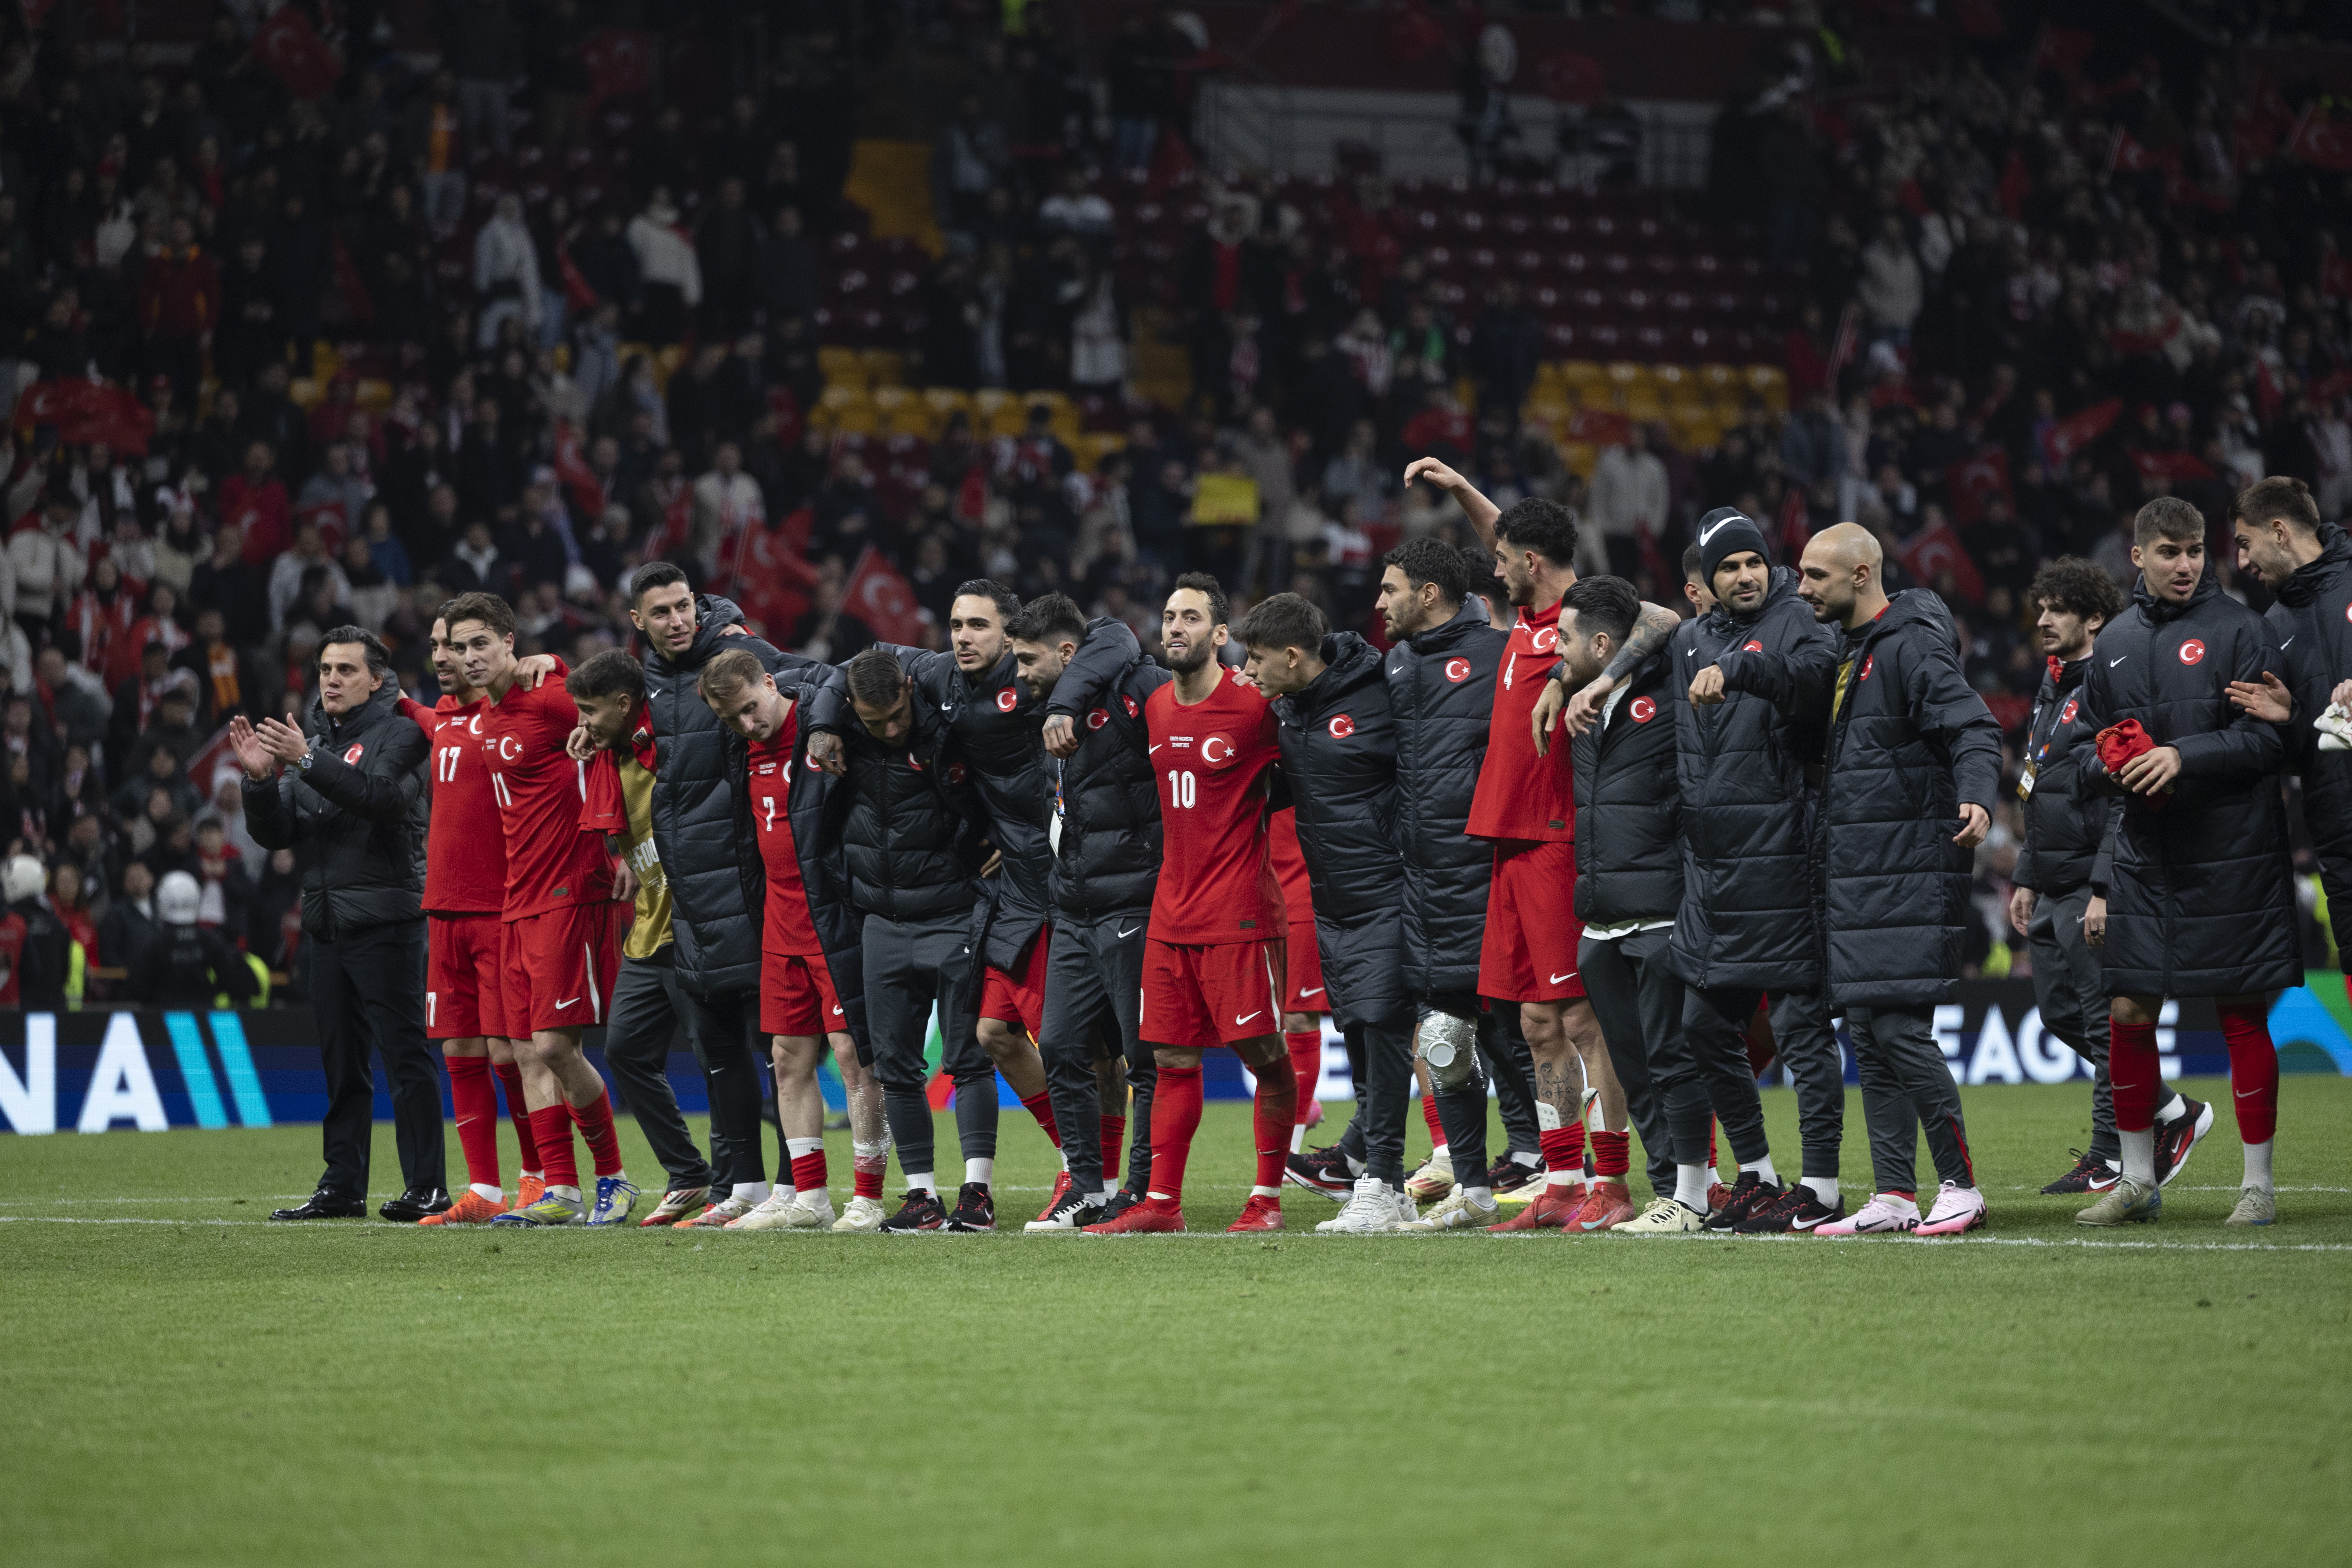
880, 595
1932, 552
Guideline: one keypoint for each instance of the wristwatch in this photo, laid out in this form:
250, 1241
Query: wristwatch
302, 763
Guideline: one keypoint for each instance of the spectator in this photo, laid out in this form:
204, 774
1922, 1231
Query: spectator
46, 563
253, 501
506, 273
1630, 496
285, 575
33, 942
671, 274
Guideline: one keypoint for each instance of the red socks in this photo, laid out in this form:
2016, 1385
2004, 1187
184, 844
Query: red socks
1436, 1127
1276, 1112
551, 1125
1114, 1134
2137, 1074
595, 1119
476, 1105
1563, 1149
1175, 1117
510, 1085
2254, 1072
1305, 1066
1041, 1105
809, 1174
865, 1174
1612, 1156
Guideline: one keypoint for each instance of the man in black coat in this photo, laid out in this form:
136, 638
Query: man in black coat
2200, 897
1093, 680
2062, 868
349, 799
1338, 756
1909, 774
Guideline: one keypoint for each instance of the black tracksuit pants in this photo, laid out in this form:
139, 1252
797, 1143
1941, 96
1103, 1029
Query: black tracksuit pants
367, 994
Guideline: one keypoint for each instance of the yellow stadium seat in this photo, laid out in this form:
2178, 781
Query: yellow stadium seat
840, 364
302, 392
884, 367
1579, 458
1582, 372
1721, 379
945, 402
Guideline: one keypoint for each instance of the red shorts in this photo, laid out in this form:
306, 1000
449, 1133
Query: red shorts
559, 968
1207, 996
1019, 998
1532, 931
464, 996
796, 995
1305, 991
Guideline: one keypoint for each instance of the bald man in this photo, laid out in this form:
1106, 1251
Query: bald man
1911, 765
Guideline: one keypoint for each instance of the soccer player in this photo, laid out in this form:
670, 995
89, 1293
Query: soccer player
1105, 834
1212, 963
465, 890
1912, 752
2060, 870
2201, 896
559, 952
1338, 756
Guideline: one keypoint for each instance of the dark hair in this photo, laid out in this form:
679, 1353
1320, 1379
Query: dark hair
379, 657
612, 673
1283, 620
1428, 560
487, 609
1221, 609
1048, 618
729, 673
1603, 604
1691, 562
2278, 498
2168, 517
874, 679
651, 575
1007, 603
1543, 526
2078, 586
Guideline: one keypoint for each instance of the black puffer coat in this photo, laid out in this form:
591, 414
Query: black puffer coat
1442, 697
1628, 855
355, 821
2066, 834
1909, 742
915, 831
2311, 624
715, 891
1339, 752
1746, 914
2200, 899
1110, 835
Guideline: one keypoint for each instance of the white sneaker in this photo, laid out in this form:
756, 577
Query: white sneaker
1458, 1212
863, 1215
810, 1211
770, 1214
1407, 1211
1371, 1208
1664, 1216
1434, 1178
1883, 1215
1956, 1211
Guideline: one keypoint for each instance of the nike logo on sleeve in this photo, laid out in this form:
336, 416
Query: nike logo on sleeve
2117, 659
1318, 991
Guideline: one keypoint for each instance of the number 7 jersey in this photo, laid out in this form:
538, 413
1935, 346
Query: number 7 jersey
1211, 763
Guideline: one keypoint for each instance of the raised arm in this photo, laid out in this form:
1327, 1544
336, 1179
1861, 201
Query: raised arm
1481, 511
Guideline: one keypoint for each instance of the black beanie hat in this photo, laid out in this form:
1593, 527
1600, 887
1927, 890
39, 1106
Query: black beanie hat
1727, 531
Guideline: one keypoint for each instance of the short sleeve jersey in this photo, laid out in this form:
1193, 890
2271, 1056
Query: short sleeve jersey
1211, 761
788, 929
1522, 796
465, 847
621, 803
539, 792
1290, 868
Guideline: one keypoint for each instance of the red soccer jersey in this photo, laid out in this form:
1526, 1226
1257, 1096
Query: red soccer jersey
1211, 759
1290, 868
551, 860
466, 846
1520, 794
789, 930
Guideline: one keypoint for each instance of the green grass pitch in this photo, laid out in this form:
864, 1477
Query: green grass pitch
184, 1383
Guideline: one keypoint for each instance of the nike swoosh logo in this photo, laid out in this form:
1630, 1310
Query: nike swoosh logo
1129, 933
1318, 991
836, 1011
2244, 1092
2116, 660
560, 1006
1810, 1224
1246, 1017
2283, 643
1720, 527
1149, 749
1557, 978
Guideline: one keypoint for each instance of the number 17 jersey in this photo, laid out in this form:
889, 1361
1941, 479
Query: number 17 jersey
1211, 763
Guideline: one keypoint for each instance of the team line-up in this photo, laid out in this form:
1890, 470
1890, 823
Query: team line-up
1579, 861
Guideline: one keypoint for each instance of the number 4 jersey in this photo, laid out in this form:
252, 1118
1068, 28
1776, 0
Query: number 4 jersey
1211, 760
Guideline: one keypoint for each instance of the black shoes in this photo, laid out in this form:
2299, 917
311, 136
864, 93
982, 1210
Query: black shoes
414, 1204
325, 1205
1321, 1171
1073, 1211
974, 1210
2091, 1174
1753, 1194
920, 1210
1509, 1175
1120, 1202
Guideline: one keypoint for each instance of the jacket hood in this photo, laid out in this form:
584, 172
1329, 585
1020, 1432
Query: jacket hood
2161, 610
2306, 582
1353, 665
1783, 589
1911, 607
385, 700
1437, 639
713, 615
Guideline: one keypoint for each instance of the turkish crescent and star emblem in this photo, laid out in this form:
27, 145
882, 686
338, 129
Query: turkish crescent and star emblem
1868, 665
1457, 670
1342, 727
2066, 714
352, 756
1098, 718
1007, 700
1751, 645
2192, 652
1643, 710
1132, 709
1210, 755
1545, 638
508, 750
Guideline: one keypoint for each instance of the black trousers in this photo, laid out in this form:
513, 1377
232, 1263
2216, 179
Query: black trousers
724, 1033
1094, 1000
1637, 999
911, 967
1715, 1036
367, 993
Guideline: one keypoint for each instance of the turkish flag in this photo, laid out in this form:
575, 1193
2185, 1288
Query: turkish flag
2078, 430
87, 413
580, 481
2321, 139
296, 55
620, 63
1437, 428
1599, 427
880, 595
1932, 552
773, 576
2171, 467
1974, 478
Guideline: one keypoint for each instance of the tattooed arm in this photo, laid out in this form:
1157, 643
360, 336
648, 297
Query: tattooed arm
1650, 632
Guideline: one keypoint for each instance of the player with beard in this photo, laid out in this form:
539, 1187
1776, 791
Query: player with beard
2062, 868
1213, 961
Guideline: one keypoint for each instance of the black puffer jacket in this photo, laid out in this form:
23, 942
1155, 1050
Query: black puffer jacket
1746, 914
2066, 835
1108, 859
2200, 899
1628, 855
355, 821
915, 832
1909, 742
2311, 624
1339, 752
1442, 695
715, 890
